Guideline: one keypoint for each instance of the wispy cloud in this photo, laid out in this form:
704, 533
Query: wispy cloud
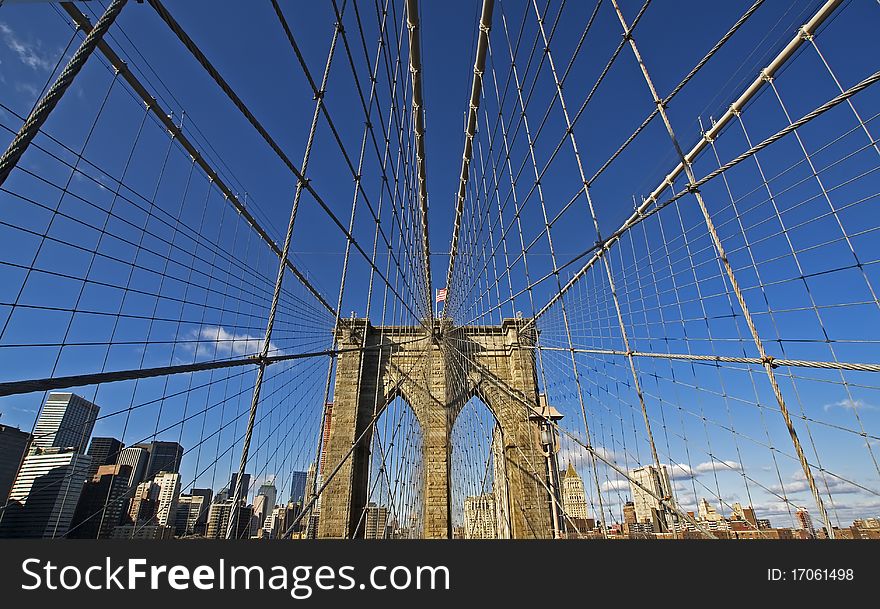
613, 486
30, 54
217, 341
826, 483
849, 404
27, 88
683, 471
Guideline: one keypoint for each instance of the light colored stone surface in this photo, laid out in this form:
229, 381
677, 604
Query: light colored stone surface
432, 376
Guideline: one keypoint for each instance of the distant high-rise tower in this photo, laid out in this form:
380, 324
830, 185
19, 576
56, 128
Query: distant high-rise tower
45, 493
297, 487
245, 487
192, 512
13, 444
804, 521
66, 421
706, 511
136, 458
266, 497
647, 507
376, 522
142, 508
164, 457
103, 451
480, 517
169, 492
218, 520
102, 503
573, 497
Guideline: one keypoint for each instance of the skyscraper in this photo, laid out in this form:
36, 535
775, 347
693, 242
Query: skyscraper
103, 451
245, 487
480, 517
218, 520
143, 503
266, 497
647, 507
573, 496
136, 458
45, 493
192, 512
66, 421
297, 487
166, 502
376, 522
13, 444
804, 521
164, 457
102, 503
706, 511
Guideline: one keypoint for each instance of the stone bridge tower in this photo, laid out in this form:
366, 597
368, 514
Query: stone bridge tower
436, 374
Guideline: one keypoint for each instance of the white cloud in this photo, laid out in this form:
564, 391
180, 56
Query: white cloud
825, 482
613, 486
718, 466
683, 471
849, 404
216, 341
31, 55
27, 88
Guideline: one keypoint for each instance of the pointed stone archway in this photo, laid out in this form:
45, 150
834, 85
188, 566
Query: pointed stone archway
436, 374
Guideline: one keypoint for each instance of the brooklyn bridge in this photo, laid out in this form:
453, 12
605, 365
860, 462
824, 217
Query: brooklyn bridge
388, 269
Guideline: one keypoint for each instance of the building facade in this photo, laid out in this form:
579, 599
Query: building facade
45, 493
573, 496
647, 507
13, 444
480, 517
66, 421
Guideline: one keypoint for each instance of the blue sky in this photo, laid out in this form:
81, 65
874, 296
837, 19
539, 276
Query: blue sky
672, 292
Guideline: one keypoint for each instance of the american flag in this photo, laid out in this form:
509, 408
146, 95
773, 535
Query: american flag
441, 295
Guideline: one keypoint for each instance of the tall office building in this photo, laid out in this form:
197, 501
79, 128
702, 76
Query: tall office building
13, 444
103, 451
245, 487
647, 507
280, 519
376, 522
164, 457
192, 512
480, 517
66, 421
218, 520
166, 501
143, 502
45, 493
135, 458
573, 497
266, 497
103, 501
297, 487
804, 521
706, 511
